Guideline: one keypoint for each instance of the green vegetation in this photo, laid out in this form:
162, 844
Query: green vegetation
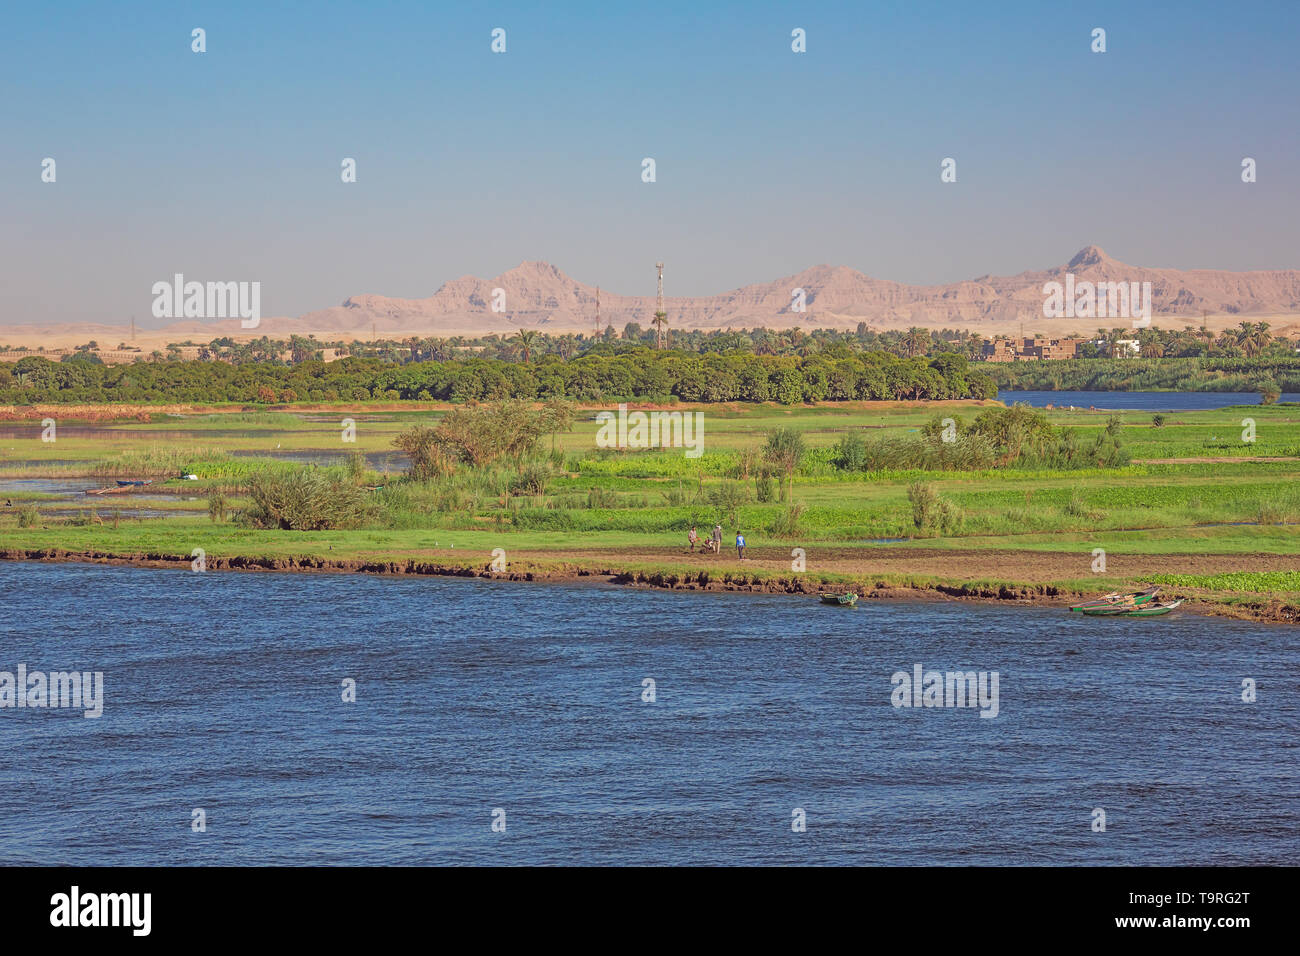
305, 499
831, 479
1268, 376
1255, 581
632, 372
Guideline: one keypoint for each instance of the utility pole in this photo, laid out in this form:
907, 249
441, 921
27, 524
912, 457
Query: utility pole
133, 330
660, 315
597, 311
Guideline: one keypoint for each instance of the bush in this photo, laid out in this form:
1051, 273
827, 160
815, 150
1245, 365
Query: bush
356, 466
1158, 421
28, 517
421, 446
932, 513
216, 506
783, 450
309, 499
601, 498
851, 454
787, 522
728, 498
532, 479
482, 434
765, 488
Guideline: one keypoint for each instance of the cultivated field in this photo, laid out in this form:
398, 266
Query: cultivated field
1197, 508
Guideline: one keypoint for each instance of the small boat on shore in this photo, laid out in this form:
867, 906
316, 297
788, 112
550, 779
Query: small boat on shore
843, 600
1142, 610
1118, 602
132, 483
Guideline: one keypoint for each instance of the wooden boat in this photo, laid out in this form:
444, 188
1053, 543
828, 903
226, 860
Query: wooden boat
843, 600
1117, 600
122, 483
1141, 610
1153, 610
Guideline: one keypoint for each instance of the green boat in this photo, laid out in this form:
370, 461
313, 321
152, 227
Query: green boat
843, 600
1141, 610
1118, 603
1154, 610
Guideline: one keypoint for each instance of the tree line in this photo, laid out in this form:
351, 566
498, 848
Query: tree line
837, 373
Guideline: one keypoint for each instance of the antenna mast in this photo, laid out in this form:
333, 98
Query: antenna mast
660, 314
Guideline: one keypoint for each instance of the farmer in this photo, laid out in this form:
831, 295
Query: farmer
740, 545
693, 537
717, 539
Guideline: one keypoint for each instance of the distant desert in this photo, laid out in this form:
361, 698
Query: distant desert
539, 296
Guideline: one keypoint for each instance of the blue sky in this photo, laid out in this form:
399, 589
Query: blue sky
225, 165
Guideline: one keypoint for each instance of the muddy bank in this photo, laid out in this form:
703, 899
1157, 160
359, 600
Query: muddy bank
1050, 595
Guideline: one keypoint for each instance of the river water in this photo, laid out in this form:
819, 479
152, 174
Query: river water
1138, 401
223, 692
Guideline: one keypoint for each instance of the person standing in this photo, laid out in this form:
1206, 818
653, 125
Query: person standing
717, 539
693, 537
740, 545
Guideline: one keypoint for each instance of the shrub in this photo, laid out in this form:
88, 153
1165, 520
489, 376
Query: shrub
28, 517
601, 498
851, 453
787, 523
308, 499
932, 512
421, 446
356, 466
532, 479
482, 434
728, 497
783, 451
765, 488
747, 462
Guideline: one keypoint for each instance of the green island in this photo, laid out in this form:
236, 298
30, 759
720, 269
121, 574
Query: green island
951, 497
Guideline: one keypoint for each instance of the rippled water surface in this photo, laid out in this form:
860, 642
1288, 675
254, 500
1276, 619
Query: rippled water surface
1138, 401
223, 692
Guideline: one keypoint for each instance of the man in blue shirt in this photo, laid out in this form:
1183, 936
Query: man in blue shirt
740, 545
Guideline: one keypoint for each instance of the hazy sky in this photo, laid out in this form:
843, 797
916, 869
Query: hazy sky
226, 165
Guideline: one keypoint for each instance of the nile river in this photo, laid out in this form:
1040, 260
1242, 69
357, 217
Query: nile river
224, 693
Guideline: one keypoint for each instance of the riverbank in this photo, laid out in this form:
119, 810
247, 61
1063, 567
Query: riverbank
1025, 577
1207, 505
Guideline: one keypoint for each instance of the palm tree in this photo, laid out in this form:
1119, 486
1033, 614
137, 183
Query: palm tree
1260, 337
916, 342
660, 322
525, 337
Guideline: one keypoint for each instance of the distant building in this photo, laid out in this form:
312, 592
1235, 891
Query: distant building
1000, 351
1032, 348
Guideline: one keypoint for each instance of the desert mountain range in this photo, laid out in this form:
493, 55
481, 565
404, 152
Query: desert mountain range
540, 296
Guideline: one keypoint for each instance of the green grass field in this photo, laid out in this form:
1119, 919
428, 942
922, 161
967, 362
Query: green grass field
1191, 491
